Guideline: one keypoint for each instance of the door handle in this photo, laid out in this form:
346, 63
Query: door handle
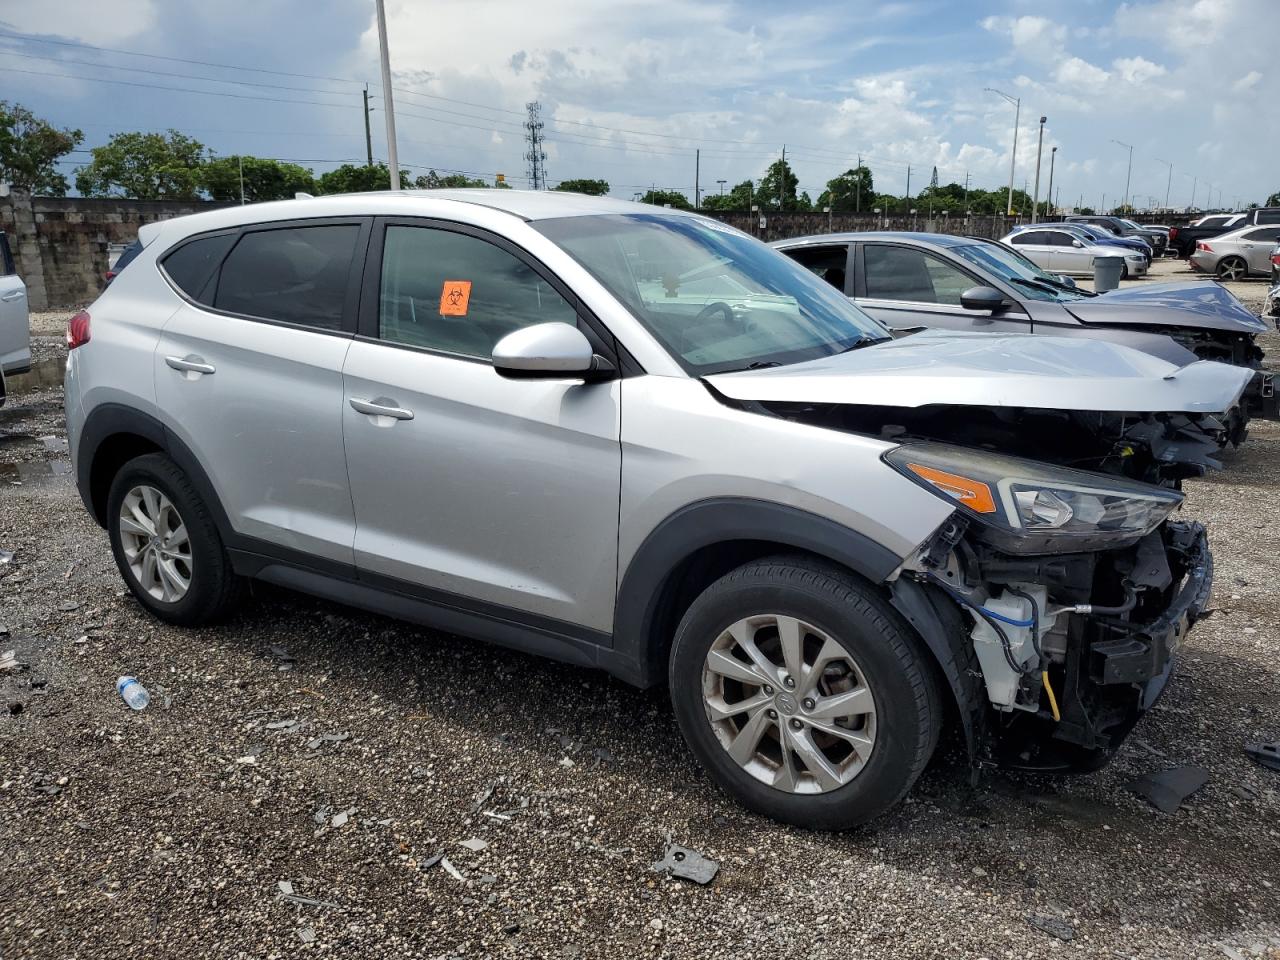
189, 364
381, 407
13, 295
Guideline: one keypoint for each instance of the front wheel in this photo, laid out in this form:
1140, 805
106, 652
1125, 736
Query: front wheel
166, 544
804, 693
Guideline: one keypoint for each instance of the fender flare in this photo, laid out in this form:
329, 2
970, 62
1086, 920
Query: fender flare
707, 523
113, 419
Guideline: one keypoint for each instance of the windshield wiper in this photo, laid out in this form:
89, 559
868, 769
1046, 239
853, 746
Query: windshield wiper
863, 341
762, 364
1053, 286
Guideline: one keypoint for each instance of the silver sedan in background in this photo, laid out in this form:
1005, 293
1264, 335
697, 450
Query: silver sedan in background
1066, 251
1241, 253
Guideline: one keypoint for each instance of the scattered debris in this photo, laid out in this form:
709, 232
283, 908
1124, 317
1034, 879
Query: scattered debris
453, 871
1054, 926
511, 929
497, 816
431, 861
341, 817
687, 865
324, 738
1166, 789
6, 556
475, 844
282, 725
66, 606
307, 934
286, 893
15, 707
484, 796
1267, 754
602, 757
9, 660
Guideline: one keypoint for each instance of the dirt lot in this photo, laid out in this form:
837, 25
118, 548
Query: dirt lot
168, 833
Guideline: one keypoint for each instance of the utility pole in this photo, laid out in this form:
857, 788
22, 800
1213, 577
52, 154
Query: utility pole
393, 157
857, 186
1053, 206
1129, 172
240, 167
1169, 183
782, 176
368, 133
966, 189
722, 183
908, 186
1013, 155
1103, 209
697, 195
1035, 199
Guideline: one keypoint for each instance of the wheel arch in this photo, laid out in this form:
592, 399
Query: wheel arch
114, 434
701, 542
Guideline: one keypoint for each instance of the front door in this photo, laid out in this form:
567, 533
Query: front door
471, 489
248, 374
1258, 245
905, 287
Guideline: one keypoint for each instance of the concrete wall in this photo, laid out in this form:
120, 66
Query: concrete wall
60, 243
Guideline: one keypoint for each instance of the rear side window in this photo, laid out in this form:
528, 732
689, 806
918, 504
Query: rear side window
1268, 216
1270, 234
827, 262
191, 266
294, 275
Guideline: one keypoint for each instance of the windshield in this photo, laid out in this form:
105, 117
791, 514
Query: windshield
717, 299
1131, 225
1033, 283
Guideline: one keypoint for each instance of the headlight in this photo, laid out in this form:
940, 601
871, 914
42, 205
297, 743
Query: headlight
1027, 507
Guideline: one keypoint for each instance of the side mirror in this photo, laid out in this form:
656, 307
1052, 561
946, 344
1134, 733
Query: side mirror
983, 298
548, 351
1077, 244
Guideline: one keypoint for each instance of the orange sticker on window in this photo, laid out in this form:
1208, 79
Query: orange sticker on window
454, 297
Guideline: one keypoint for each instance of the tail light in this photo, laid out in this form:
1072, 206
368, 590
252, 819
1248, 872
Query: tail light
1173, 233
78, 330
1275, 259
109, 276
1205, 247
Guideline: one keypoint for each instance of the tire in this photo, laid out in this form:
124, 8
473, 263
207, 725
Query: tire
212, 588
883, 654
1232, 265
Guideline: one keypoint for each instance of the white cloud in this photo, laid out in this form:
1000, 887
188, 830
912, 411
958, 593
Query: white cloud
1137, 69
1247, 82
85, 20
1080, 75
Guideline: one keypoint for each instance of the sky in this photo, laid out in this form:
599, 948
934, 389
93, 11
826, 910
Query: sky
629, 89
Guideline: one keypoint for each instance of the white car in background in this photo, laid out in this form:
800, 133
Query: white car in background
1060, 250
15, 328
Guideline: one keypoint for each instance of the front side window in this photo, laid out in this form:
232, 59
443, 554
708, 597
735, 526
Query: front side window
715, 298
293, 275
459, 294
904, 273
1056, 238
1032, 282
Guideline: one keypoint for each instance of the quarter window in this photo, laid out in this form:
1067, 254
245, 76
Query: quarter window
826, 262
192, 265
902, 273
459, 294
293, 275
1267, 234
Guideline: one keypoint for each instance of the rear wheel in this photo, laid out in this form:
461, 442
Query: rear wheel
803, 693
166, 544
1232, 268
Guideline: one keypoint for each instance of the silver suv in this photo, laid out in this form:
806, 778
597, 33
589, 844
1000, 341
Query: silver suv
637, 439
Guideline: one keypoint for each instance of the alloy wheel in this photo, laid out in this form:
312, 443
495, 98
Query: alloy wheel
789, 704
155, 543
1233, 269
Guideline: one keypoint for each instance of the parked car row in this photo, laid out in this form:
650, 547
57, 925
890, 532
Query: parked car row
637, 439
1184, 239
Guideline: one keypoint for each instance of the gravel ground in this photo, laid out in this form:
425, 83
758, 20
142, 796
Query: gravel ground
169, 832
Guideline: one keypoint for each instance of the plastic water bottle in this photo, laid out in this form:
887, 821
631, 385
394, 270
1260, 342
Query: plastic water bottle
134, 693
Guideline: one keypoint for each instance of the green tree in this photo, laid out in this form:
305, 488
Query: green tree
739, 198
349, 178
30, 148
263, 179
1274, 199
661, 198
434, 181
779, 181
144, 166
1124, 210
1085, 211
592, 188
849, 191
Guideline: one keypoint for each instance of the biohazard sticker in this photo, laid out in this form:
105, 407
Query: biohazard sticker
454, 297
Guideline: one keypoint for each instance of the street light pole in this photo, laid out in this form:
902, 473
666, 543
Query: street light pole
1169, 184
1053, 154
1035, 198
393, 158
1129, 172
1013, 157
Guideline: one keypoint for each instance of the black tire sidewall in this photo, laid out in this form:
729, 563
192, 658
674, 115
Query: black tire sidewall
879, 642
208, 558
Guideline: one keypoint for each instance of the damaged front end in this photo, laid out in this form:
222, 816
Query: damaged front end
1056, 598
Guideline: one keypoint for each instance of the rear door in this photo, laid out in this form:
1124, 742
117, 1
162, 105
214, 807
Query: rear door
1034, 245
1257, 246
15, 338
470, 489
830, 261
248, 373
904, 286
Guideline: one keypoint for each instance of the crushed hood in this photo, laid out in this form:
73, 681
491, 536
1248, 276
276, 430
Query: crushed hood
996, 370
1202, 304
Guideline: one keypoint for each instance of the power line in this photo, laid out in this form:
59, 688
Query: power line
159, 86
